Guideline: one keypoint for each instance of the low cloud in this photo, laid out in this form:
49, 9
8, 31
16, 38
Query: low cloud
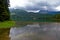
41, 5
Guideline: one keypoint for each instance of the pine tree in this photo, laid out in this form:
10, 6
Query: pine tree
4, 11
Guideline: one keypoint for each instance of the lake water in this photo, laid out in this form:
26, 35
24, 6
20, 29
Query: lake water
44, 31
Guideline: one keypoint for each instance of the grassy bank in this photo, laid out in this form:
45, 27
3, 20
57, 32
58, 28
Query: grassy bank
7, 24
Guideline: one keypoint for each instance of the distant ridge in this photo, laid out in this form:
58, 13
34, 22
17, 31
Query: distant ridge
43, 11
54, 12
40, 12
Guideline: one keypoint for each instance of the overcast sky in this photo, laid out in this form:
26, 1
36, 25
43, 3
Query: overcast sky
51, 5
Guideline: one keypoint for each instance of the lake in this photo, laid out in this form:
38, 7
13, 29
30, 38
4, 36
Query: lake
36, 31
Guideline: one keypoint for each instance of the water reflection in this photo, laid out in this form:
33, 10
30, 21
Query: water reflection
49, 31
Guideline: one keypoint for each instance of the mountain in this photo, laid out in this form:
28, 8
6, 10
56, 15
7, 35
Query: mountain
20, 12
23, 12
43, 11
22, 15
48, 12
54, 12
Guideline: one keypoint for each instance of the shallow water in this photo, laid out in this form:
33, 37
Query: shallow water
45, 31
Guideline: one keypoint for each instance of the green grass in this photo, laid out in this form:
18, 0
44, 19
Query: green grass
7, 24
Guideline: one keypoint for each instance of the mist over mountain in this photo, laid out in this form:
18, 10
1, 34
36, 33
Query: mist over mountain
21, 11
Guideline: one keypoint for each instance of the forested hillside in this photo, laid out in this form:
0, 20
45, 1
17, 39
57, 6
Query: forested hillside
22, 15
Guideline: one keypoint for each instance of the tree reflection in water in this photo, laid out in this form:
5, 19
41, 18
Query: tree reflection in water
50, 31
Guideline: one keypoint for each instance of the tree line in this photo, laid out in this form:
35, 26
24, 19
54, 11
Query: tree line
4, 11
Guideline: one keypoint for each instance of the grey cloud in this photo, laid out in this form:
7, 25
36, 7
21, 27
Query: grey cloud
39, 4
36, 6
